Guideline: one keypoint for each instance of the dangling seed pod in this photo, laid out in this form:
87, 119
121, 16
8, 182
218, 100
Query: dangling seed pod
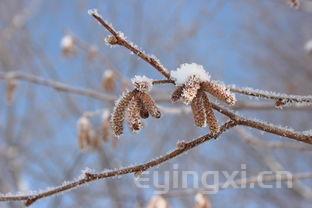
198, 110
211, 119
219, 91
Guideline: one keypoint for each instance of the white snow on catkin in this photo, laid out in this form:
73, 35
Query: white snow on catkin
185, 71
67, 42
308, 46
108, 73
142, 83
83, 123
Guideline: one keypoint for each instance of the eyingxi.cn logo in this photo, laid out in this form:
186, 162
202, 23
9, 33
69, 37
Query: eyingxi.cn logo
211, 181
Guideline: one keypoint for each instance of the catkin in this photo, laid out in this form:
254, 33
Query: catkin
198, 110
177, 93
118, 115
133, 115
219, 91
211, 119
190, 90
143, 111
149, 104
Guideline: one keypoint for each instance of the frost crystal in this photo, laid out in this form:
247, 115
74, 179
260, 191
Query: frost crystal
94, 12
142, 83
185, 71
308, 132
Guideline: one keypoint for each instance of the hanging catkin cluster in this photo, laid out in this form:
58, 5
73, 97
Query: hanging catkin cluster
134, 106
86, 134
192, 84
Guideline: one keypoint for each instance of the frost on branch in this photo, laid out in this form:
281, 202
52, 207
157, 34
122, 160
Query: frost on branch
134, 106
192, 84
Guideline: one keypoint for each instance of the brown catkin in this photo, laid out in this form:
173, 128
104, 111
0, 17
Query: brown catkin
11, 88
85, 132
118, 115
211, 119
149, 104
294, 3
190, 90
143, 111
133, 115
177, 93
198, 110
219, 91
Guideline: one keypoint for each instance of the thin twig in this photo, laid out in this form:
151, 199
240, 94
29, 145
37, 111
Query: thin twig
59, 86
272, 95
121, 40
181, 147
90, 177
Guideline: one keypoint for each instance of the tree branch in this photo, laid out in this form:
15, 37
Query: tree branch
88, 177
